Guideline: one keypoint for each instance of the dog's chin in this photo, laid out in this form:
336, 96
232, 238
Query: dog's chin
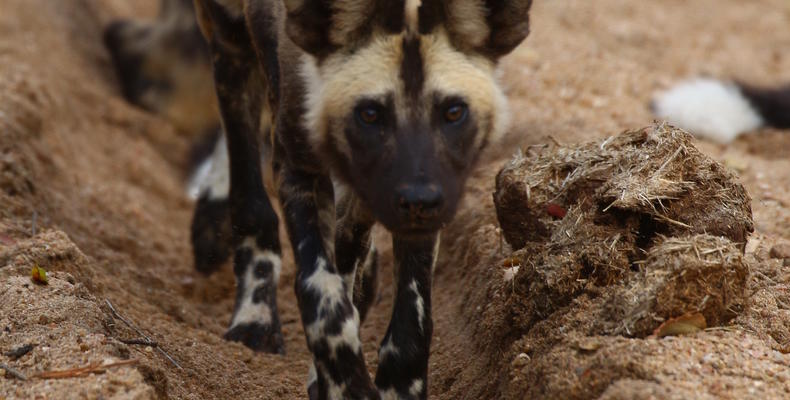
409, 228
424, 229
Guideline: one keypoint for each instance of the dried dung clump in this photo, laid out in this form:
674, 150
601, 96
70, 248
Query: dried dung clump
643, 214
699, 273
653, 178
614, 241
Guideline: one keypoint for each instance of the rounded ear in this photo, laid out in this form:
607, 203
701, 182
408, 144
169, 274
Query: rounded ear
509, 24
490, 27
320, 27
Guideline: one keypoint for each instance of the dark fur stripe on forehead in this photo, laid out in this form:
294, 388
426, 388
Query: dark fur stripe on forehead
411, 72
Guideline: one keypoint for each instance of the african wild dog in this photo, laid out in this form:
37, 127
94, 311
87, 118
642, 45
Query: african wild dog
365, 111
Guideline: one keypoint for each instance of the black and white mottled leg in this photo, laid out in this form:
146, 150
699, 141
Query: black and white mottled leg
330, 320
255, 318
356, 258
211, 229
403, 357
241, 90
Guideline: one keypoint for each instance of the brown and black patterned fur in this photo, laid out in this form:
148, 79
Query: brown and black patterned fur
368, 111
163, 66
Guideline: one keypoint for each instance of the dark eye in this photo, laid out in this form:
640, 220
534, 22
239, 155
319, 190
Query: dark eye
455, 113
368, 115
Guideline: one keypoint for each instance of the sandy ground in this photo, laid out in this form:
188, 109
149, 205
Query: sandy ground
91, 189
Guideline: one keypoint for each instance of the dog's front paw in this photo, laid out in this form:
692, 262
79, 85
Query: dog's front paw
259, 337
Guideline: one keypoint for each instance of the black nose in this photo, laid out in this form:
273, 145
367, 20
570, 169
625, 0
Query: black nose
420, 201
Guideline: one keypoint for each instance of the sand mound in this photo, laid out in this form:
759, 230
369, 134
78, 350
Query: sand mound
65, 324
614, 240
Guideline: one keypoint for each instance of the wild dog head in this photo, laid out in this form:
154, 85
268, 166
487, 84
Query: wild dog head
164, 67
402, 96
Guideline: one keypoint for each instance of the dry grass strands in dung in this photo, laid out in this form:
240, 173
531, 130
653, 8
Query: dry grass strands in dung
700, 273
654, 173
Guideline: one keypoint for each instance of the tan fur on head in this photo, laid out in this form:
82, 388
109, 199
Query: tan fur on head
341, 80
449, 71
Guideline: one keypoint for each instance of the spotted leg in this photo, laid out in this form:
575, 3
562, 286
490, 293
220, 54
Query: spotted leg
357, 261
241, 88
330, 320
403, 357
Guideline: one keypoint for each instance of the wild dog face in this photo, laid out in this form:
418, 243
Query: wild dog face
402, 96
164, 67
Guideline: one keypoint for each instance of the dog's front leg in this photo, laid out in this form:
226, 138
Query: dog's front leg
330, 320
403, 357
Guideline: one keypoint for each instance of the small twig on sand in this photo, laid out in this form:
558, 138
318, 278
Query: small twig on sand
35, 217
16, 374
139, 332
77, 372
142, 342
